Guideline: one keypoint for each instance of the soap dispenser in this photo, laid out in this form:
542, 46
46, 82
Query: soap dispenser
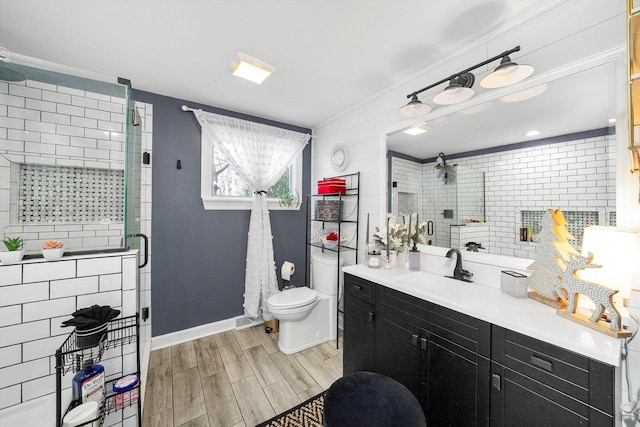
414, 258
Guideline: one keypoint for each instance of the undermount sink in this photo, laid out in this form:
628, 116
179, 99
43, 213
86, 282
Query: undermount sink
417, 277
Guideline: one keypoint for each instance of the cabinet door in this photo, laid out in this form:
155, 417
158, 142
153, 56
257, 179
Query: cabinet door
454, 384
397, 351
517, 400
358, 335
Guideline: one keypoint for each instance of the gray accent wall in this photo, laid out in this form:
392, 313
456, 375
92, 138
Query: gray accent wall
198, 255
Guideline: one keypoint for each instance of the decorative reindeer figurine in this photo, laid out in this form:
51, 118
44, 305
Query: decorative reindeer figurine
570, 285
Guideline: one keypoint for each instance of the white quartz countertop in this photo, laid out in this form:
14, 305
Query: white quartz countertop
487, 303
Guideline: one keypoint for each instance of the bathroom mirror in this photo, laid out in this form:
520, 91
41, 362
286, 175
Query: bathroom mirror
569, 165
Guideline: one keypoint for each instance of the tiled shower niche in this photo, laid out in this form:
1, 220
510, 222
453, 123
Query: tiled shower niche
50, 194
577, 221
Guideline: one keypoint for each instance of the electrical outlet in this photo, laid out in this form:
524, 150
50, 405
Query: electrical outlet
145, 313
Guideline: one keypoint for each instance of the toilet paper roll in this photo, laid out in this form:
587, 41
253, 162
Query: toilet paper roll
287, 270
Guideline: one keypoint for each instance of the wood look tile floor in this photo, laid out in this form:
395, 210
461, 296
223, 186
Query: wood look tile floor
235, 378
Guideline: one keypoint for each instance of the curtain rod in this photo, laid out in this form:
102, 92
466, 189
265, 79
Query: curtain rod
185, 108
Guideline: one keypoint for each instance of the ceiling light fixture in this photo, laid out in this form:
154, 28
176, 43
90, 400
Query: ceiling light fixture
417, 130
459, 89
250, 68
532, 133
523, 95
414, 108
507, 73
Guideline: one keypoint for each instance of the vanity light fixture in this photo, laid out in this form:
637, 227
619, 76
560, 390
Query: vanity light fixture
459, 89
417, 129
507, 73
414, 108
250, 68
523, 95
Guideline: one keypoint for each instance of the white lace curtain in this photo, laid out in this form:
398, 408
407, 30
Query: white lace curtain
259, 154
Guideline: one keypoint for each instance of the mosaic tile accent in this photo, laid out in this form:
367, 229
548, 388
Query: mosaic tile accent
577, 222
407, 202
69, 194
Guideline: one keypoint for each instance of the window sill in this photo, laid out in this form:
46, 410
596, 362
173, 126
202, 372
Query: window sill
240, 204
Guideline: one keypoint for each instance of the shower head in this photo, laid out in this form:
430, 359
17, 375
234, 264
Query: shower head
8, 74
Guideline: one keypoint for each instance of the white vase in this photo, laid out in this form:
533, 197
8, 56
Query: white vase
52, 254
402, 258
11, 257
392, 259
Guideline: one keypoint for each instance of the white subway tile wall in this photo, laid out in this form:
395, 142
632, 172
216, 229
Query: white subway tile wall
32, 310
577, 176
54, 126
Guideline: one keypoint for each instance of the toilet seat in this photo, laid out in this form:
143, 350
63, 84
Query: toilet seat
293, 298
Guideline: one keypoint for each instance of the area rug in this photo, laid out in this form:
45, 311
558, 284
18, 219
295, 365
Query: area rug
306, 414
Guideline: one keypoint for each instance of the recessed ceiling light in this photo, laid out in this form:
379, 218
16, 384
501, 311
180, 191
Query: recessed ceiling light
417, 130
532, 133
250, 68
612, 120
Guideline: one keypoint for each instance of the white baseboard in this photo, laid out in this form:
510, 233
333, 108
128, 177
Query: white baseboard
196, 332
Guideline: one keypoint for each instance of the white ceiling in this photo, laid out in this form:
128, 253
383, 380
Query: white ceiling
329, 54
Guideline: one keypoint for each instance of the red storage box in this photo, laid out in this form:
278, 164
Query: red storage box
332, 186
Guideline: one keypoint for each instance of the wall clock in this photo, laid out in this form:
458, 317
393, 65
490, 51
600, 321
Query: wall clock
339, 157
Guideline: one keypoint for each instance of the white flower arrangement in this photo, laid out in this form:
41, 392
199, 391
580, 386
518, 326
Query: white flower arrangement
398, 234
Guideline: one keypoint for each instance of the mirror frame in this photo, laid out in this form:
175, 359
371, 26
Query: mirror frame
624, 182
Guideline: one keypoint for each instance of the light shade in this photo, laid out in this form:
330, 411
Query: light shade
453, 94
523, 95
250, 68
507, 73
414, 108
459, 90
617, 252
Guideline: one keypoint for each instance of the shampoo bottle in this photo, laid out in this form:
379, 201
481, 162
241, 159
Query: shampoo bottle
88, 384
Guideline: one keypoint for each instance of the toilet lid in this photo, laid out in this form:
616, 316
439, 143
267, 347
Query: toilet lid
292, 298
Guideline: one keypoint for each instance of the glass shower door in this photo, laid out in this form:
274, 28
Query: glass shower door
132, 175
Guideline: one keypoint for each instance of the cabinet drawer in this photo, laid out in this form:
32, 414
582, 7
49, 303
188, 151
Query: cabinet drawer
468, 332
575, 375
359, 288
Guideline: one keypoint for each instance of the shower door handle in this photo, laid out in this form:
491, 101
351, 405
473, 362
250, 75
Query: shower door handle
146, 249
429, 228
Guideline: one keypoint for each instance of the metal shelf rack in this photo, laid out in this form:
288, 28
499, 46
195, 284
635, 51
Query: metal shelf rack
346, 224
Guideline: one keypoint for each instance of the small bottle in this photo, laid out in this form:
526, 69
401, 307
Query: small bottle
88, 384
414, 259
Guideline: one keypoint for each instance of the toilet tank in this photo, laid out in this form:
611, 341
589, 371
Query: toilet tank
324, 273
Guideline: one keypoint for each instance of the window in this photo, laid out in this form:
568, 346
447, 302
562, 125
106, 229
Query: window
223, 189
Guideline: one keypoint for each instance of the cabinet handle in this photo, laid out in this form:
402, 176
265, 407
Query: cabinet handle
370, 316
541, 363
414, 340
357, 287
423, 344
495, 381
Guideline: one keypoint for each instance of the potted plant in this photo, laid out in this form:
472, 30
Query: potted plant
52, 250
290, 200
14, 252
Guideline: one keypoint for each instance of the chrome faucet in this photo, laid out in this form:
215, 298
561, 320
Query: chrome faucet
458, 272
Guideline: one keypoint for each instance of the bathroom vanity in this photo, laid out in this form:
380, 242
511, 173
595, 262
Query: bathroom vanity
476, 357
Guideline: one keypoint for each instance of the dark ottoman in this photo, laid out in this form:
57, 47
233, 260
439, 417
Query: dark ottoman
371, 400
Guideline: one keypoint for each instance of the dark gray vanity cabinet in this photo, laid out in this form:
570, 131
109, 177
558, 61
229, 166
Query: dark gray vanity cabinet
359, 318
467, 372
435, 352
556, 384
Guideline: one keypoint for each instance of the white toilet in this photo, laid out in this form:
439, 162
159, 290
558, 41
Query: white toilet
308, 316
